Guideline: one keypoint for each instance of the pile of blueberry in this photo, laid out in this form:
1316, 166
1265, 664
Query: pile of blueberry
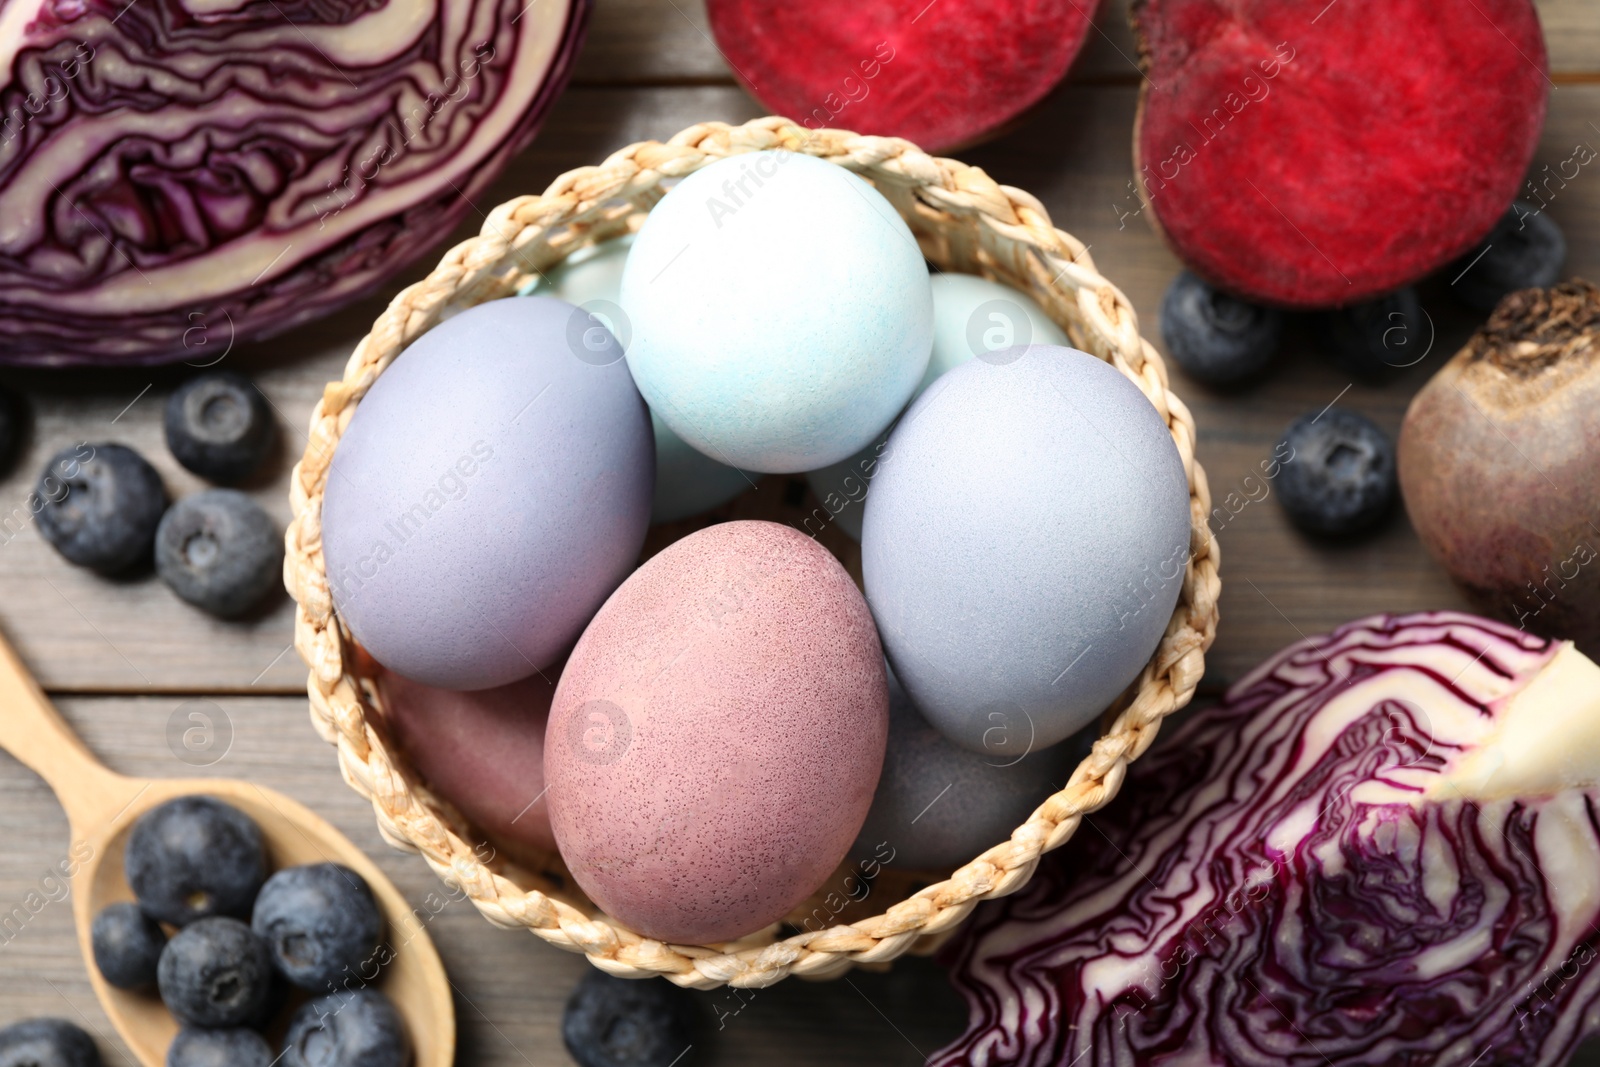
242, 943
103, 506
1223, 341
1338, 467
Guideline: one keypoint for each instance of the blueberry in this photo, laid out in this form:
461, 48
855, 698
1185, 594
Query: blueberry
98, 505
219, 426
127, 946
1339, 478
1525, 250
47, 1043
13, 416
620, 1022
195, 857
1377, 338
355, 1029
219, 1048
215, 973
320, 923
1216, 338
219, 551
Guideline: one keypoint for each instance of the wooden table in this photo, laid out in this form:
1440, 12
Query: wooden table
124, 659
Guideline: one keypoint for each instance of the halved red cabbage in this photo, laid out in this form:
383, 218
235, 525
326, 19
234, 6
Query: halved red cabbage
1380, 849
176, 174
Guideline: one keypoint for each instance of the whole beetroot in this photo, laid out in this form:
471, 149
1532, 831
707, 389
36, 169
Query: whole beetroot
1500, 463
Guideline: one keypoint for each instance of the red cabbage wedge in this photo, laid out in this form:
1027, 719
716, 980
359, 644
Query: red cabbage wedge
1380, 849
178, 174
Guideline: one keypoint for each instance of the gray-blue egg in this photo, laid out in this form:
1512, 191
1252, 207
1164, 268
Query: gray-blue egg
971, 315
490, 492
939, 805
687, 481
1024, 544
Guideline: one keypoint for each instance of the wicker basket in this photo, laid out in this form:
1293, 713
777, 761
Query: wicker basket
964, 222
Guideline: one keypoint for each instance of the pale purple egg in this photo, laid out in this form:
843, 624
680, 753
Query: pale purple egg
483, 751
717, 734
489, 493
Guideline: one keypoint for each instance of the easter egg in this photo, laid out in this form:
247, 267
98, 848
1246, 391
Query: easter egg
781, 311
490, 492
717, 734
482, 751
687, 481
1024, 544
939, 805
971, 316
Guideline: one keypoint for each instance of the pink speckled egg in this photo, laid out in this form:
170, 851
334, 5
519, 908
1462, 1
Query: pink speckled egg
483, 751
717, 734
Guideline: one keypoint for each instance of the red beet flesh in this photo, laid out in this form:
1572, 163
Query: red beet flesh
1315, 154
940, 74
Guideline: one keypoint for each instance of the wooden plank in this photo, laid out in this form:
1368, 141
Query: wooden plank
82, 633
511, 986
639, 42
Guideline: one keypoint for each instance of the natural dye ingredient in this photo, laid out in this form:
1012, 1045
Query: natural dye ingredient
47, 1043
1378, 848
215, 973
1267, 151
1338, 474
359, 1028
939, 78
1374, 339
1216, 338
98, 505
688, 482
219, 425
220, 551
127, 945
972, 316
320, 924
178, 179
1054, 469
195, 857
1525, 250
781, 311
219, 1048
490, 492
939, 805
482, 751
717, 734
618, 1022
1498, 454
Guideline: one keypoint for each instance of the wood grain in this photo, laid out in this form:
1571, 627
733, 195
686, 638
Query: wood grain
509, 987
639, 42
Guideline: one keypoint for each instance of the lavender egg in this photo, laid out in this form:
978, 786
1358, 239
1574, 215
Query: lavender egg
1024, 544
717, 734
490, 492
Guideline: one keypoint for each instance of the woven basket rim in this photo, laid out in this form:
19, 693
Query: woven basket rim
961, 217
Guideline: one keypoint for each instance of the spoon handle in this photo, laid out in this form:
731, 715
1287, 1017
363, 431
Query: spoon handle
32, 730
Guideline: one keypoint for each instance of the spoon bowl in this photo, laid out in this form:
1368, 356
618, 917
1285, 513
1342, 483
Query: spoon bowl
102, 807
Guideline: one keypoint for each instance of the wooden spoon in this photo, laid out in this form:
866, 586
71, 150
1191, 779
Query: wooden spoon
102, 807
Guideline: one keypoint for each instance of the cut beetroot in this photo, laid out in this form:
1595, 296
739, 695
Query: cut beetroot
1316, 154
939, 74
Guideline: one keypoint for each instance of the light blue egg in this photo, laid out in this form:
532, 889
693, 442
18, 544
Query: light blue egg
1025, 541
781, 312
971, 315
490, 492
687, 482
